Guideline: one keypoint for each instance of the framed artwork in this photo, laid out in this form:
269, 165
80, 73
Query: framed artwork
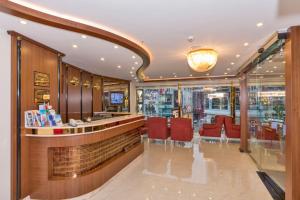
41, 96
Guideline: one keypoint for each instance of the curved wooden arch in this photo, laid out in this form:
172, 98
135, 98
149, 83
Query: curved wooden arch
58, 22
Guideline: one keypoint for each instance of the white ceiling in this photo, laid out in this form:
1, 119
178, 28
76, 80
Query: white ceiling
164, 26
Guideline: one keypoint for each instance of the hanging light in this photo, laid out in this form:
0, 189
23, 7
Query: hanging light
202, 60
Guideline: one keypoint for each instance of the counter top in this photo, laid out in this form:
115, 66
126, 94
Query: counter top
85, 125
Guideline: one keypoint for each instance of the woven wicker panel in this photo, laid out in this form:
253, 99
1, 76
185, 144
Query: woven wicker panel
76, 161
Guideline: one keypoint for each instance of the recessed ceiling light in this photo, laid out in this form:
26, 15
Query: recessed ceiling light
22, 21
275, 67
259, 24
136, 63
281, 76
132, 75
74, 46
225, 73
254, 72
270, 61
207, 74
83, 36
283, 62
174, 73
237, 55
271, 71
258, 67
261, 77
133, 57
228, 69
267, 71
135, 77
132, 68
191, 74
119, 66
175, 76
102, 59
116, 46
226, 78
160, 77
246, 44
131, 72
232, 63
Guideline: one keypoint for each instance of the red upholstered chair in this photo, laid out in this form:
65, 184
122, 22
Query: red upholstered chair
213, 130
158, 128
232, 130
181, 129
269, 133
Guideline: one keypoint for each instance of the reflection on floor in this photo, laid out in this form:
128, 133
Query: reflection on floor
199, 171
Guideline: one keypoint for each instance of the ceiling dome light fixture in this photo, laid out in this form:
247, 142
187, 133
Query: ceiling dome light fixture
202, 60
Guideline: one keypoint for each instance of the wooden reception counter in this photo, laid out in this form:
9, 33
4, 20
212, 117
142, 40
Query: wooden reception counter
81, 158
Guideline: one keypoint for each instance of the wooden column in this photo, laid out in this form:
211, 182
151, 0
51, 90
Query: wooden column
292, 53
244, 113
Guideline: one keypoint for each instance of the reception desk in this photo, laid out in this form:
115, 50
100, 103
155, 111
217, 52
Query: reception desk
82, 158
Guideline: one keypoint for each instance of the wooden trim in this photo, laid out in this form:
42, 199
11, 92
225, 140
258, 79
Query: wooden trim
23, 37
244, 113
292, 52
58, 22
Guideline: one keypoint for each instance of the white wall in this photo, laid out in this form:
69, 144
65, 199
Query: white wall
5, 75
132, 97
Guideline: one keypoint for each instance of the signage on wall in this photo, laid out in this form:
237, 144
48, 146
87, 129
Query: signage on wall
41, 79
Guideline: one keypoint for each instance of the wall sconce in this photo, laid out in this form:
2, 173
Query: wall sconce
96, 86
74, 81
86, 84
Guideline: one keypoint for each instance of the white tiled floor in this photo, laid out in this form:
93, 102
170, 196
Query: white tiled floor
203, 171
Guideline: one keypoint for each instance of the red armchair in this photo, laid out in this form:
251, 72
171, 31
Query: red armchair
232, 130
213, 130
157, 128
269, 133
181, 129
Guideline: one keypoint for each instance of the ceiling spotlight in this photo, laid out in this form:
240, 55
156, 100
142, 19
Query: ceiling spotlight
22, 21
267, 71
232, 63
160, 77
207, 74
102, 59
225, 73
136, 63
191, 74
132, 68
133, 57
254, 72
135, 77
226, 78
83, 36
174, 73
228, 69
131, 72
175, 76
281, 76
246, 44
116, 46
275, 67
260, 24
271, 71
270, 61
74, 46
132, 75
119, 66
237, 55
283, 62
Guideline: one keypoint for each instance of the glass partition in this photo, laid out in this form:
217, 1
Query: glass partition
266, 114
200, 103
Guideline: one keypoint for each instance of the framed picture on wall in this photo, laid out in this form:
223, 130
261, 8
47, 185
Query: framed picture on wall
41, 79
41, 96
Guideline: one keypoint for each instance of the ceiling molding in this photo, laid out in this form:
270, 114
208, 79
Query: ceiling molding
66, 24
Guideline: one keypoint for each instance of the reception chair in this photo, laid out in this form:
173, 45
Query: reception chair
158, 128
181, 129
213, 130
232, 130
269, 133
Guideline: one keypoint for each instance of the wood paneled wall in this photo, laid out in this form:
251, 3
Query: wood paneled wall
87, 94
97, 93
73, 93
33, 57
